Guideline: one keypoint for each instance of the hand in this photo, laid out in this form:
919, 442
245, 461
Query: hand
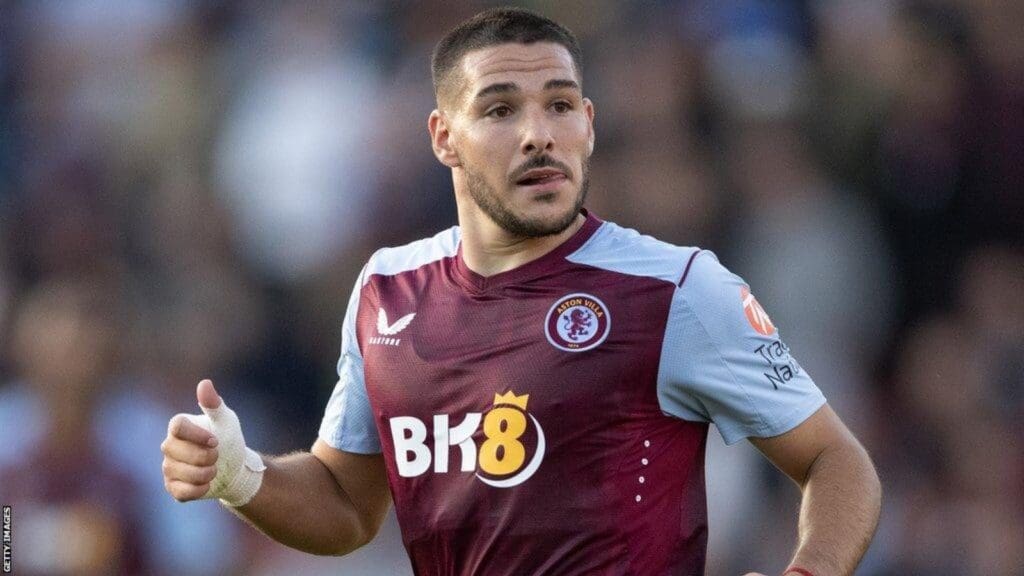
205, 455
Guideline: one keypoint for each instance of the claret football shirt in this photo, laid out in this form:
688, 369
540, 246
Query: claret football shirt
552, 419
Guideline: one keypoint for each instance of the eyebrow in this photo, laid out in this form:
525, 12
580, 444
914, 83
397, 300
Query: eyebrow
506, 87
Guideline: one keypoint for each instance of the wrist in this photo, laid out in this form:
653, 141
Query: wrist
797, 571
246, 482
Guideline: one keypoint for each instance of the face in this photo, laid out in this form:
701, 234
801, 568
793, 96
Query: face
518, 134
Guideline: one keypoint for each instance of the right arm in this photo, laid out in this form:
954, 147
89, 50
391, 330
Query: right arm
326, 501
330, 500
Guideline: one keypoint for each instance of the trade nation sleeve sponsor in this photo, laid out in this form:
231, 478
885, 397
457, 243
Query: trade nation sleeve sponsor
725, 362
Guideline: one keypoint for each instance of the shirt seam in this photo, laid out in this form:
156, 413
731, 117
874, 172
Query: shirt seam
338, 433
666, 278
370, 273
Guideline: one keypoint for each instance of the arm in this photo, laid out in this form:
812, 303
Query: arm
725, 361
323, 502
326, 501
841, 492
330, 500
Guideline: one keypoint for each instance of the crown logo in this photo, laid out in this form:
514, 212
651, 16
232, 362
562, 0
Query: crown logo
511, 399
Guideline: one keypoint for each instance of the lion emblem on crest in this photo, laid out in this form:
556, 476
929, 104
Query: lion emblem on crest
577, 323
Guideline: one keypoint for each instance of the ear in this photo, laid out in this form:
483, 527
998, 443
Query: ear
588, 107
441, 140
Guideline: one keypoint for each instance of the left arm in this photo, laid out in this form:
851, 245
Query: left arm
725, 362
841, 492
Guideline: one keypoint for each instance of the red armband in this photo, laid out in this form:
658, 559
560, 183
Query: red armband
797, 570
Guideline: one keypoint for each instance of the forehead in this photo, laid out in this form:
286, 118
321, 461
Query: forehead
511, 62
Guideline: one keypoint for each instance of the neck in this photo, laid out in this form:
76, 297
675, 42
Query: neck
488, 249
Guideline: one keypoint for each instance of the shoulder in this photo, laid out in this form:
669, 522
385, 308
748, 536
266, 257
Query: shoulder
391, 261
703, 285
706, 282
627, 251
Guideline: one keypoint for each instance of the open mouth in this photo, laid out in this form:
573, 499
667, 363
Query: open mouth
541, 176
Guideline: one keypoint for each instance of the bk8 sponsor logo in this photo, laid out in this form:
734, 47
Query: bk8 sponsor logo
502, 457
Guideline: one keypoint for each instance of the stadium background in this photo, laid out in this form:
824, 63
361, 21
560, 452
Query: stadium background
187, 189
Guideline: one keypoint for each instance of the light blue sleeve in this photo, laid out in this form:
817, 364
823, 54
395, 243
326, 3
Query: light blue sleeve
723, 360
348, 422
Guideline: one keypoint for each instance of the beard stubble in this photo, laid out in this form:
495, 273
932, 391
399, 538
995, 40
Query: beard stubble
486, 197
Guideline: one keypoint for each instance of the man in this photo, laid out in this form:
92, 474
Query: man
533, 387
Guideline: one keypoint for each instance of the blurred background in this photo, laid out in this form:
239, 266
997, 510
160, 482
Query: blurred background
189, 188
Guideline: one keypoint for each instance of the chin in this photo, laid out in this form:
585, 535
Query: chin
542, 213
547, 221
551, 215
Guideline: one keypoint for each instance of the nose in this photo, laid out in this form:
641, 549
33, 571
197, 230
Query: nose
537, 136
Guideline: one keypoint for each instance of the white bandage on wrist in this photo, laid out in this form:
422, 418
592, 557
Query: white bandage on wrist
239, 468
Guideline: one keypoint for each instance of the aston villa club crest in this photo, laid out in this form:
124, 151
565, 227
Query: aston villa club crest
577, 322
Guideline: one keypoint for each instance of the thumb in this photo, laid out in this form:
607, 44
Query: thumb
208, 398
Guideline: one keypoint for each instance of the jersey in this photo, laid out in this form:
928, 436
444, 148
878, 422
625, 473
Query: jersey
552, 419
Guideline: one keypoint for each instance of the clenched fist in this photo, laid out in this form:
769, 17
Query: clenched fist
205, 455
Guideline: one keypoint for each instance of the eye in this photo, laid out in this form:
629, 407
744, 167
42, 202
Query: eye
562, 106
501, 111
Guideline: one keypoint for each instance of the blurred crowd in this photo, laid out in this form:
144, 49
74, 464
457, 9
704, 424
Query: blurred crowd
188, 189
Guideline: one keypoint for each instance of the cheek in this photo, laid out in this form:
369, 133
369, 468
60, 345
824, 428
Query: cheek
488, 153
581, 131
491, 140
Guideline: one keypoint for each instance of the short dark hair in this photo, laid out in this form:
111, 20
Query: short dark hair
498, 26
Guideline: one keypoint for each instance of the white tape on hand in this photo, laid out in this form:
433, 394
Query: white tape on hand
239, 468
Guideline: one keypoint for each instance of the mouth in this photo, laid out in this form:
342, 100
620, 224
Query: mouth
542, 177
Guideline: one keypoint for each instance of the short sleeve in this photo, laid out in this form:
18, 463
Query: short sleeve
348, 422
723, 359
